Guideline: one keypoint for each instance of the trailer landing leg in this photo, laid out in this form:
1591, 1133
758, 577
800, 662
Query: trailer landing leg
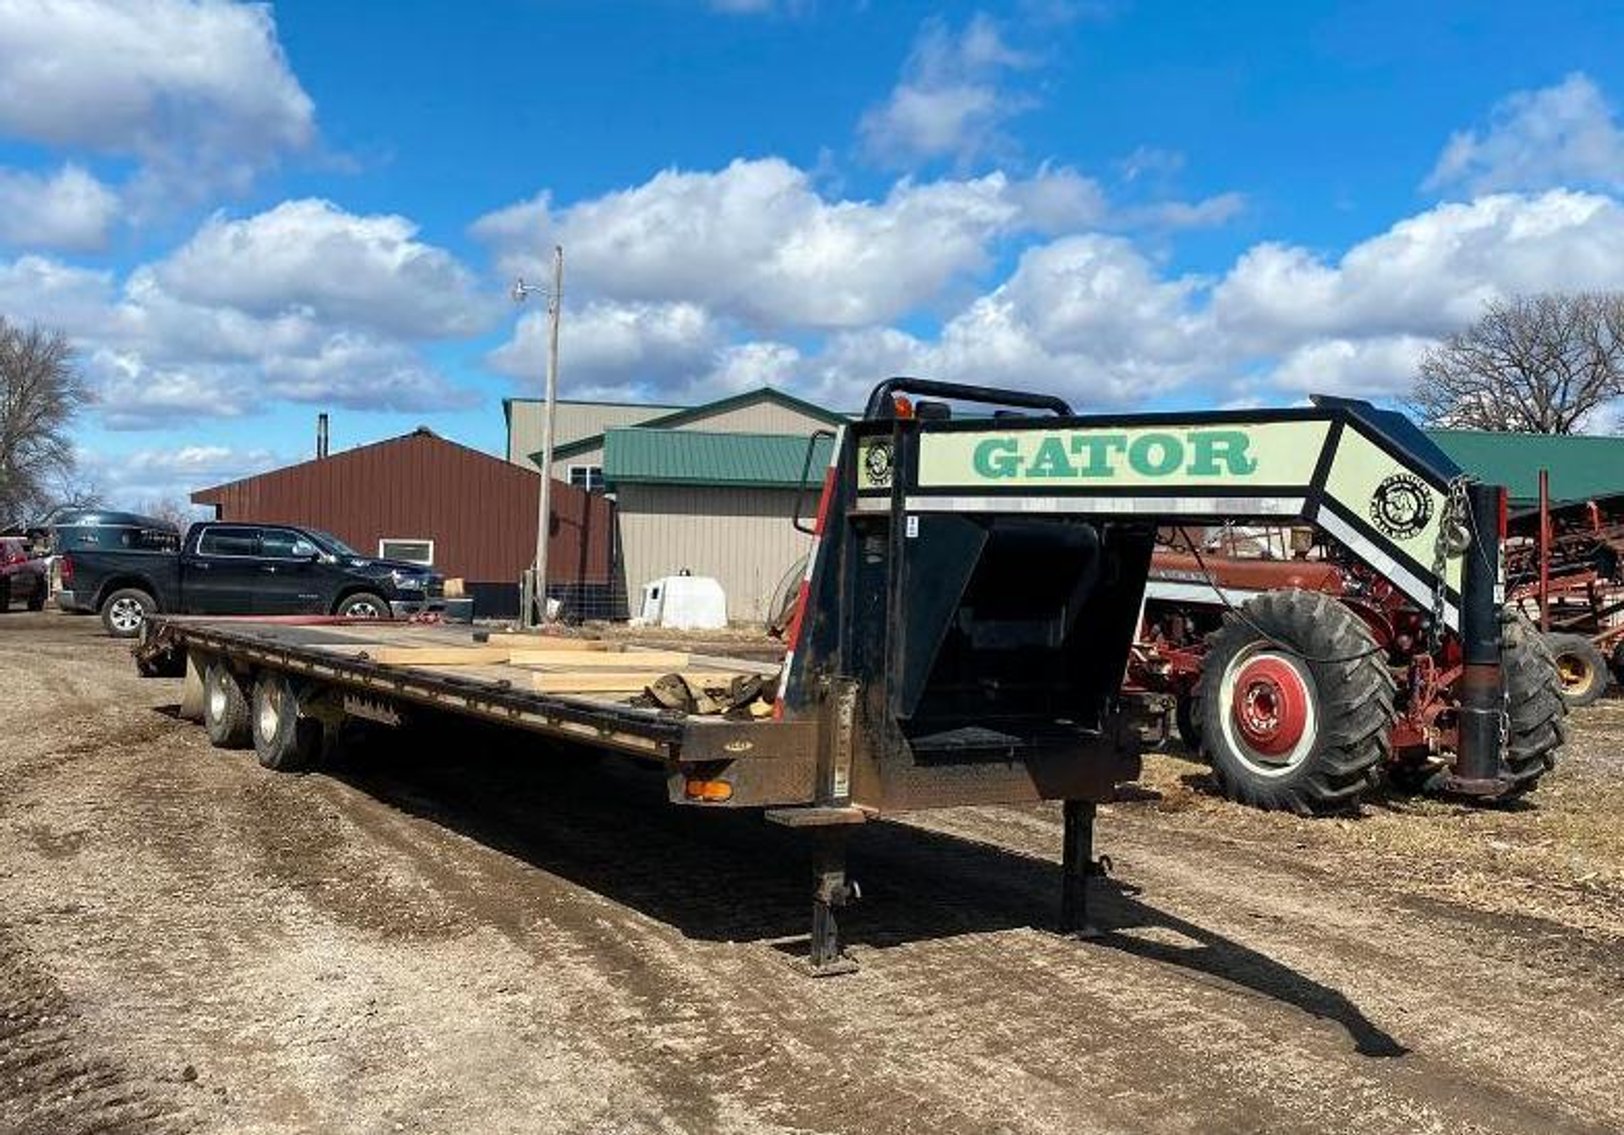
1077, 866
830, 887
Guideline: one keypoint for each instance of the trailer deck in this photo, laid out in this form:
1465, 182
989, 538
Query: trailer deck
571, 688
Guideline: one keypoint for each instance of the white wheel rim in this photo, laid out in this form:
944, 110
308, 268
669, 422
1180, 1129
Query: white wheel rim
270, 713
1260, 763
364, 609
125, 614
217, 699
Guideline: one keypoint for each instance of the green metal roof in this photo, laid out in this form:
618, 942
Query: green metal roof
637, 455
1581, 465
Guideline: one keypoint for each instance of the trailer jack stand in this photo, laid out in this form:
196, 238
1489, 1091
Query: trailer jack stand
1077, 867
830, 889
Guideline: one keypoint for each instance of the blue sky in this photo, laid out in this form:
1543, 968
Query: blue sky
244, 214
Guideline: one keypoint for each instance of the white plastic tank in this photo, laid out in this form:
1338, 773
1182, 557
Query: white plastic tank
684, 602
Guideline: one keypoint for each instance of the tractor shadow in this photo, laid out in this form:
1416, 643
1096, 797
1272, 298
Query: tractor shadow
726, 876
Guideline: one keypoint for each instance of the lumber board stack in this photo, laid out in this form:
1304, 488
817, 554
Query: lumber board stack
662, 679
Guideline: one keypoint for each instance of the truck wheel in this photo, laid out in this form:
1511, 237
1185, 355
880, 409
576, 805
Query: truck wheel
5, 596
225, 709
363, 605
283, 740
1536, 710
1296, 704
123, 612
1581, 667
36, 600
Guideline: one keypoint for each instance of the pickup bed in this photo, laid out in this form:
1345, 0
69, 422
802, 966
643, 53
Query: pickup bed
243, 569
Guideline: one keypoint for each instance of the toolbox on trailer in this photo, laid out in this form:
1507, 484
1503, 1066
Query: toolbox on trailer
964, 626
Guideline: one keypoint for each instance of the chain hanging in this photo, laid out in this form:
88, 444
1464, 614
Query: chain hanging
1453, 538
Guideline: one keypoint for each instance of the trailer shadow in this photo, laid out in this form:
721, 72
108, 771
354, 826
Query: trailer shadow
724, 876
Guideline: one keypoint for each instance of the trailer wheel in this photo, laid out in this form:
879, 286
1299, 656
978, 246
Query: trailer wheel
1580, 666
123, 612
1536, 711
283, 740
225, 708
1296, 704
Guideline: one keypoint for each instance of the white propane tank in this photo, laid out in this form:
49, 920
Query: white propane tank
684, 602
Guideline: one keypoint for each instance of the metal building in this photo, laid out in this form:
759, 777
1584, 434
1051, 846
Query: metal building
713, 504
709, 489
421, 497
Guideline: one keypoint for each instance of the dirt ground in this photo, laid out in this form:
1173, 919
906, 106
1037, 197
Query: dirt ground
478, 936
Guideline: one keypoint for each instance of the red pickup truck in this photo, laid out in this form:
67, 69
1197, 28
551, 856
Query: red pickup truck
22, 575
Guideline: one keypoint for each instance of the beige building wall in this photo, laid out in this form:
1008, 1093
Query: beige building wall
571, 422
760, 418
740, 537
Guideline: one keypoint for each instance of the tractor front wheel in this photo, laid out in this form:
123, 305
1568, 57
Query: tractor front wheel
1296, 703
1536, 708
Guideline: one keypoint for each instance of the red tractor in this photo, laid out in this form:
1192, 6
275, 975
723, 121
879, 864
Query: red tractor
1305, 678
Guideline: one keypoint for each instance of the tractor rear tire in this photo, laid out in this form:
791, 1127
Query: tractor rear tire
1580, 666
1536, 710
1296, 704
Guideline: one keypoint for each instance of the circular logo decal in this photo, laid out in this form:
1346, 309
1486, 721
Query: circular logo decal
1401, 506
877, 464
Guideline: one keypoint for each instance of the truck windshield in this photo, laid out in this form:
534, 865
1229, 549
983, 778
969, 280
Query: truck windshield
332, 543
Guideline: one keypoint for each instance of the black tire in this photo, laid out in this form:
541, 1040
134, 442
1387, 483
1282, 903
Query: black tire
1581, 668
36, 599
225, 707
5, 596
1310, 677
1187, 716
284, 740
363, 605
1537, 726
123, 612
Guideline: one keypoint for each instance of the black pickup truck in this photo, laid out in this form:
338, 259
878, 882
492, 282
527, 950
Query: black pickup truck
242, 569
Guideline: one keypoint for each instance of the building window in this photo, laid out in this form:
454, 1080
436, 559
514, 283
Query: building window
588, 477
412, 551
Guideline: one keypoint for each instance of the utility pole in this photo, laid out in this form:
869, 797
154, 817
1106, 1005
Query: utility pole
535, 606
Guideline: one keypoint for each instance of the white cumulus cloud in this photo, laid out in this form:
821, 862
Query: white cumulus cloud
757, 242
198, 91
302, 303
1564, 135
68, 210
951, 101
368, 271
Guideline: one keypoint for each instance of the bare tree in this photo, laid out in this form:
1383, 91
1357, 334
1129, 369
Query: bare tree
40, 391
170, 509
1531, 364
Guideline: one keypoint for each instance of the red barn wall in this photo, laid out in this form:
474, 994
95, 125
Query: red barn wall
479, 510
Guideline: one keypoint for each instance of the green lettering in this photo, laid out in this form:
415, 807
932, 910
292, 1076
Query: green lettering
1050, 460
996, 457
1095, 449
1229, 446
1155, 455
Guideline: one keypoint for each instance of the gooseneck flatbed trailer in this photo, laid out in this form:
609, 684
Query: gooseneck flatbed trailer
974, 588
